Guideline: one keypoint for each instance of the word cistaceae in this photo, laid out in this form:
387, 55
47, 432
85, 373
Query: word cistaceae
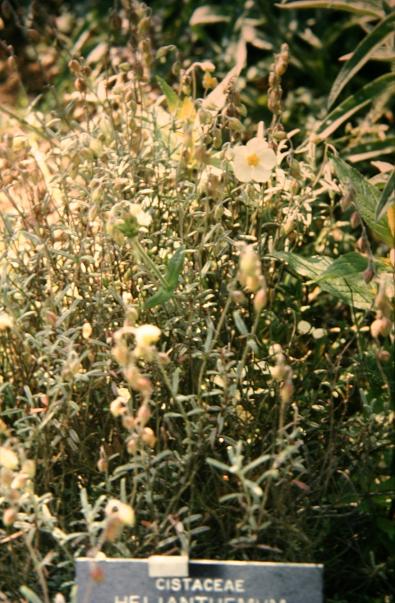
128, 581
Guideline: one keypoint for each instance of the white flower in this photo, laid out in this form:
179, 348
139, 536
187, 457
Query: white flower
6, 321
146, 335
8, 458
254, 161
120, 511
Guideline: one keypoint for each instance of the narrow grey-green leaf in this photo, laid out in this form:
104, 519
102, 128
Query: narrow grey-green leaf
171, 97
361, 55
30, 595
387, 197
351, 6
354, 103
240, 324
366, 198
217, 464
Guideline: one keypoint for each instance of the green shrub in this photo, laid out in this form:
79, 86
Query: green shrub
168, 373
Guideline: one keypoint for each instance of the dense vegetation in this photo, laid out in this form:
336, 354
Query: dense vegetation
197, 255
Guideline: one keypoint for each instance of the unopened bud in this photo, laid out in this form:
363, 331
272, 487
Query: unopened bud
102, 465
143, 415
260, 300
383, 355
368, 274
80, 85
74, 66
355, 220
32, 35
361, 244
132, 445
286, 391
380, 326
148, 437
9, 517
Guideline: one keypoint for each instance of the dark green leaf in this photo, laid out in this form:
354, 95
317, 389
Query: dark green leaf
351, 290
386, 198
370, 149
347, 265
174, 268
361, 55
354, 103
366, 198
159, 298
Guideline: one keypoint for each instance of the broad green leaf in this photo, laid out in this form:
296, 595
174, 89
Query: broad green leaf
361, 55
30, 595
387, 197
354, 103
174, 268
311, 267
159, 298
171, 97
349, 264
366, 198
351, 6
351, 290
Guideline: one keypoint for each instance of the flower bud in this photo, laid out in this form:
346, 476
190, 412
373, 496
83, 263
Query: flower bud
9, 517
148, 437
286, 391
132, 445
260, 300
380, 326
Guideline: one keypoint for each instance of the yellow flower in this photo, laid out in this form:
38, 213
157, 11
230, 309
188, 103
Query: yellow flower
254, 161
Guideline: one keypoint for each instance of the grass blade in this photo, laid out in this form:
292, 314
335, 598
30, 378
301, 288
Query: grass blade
354, 103
358, 8
361, 55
